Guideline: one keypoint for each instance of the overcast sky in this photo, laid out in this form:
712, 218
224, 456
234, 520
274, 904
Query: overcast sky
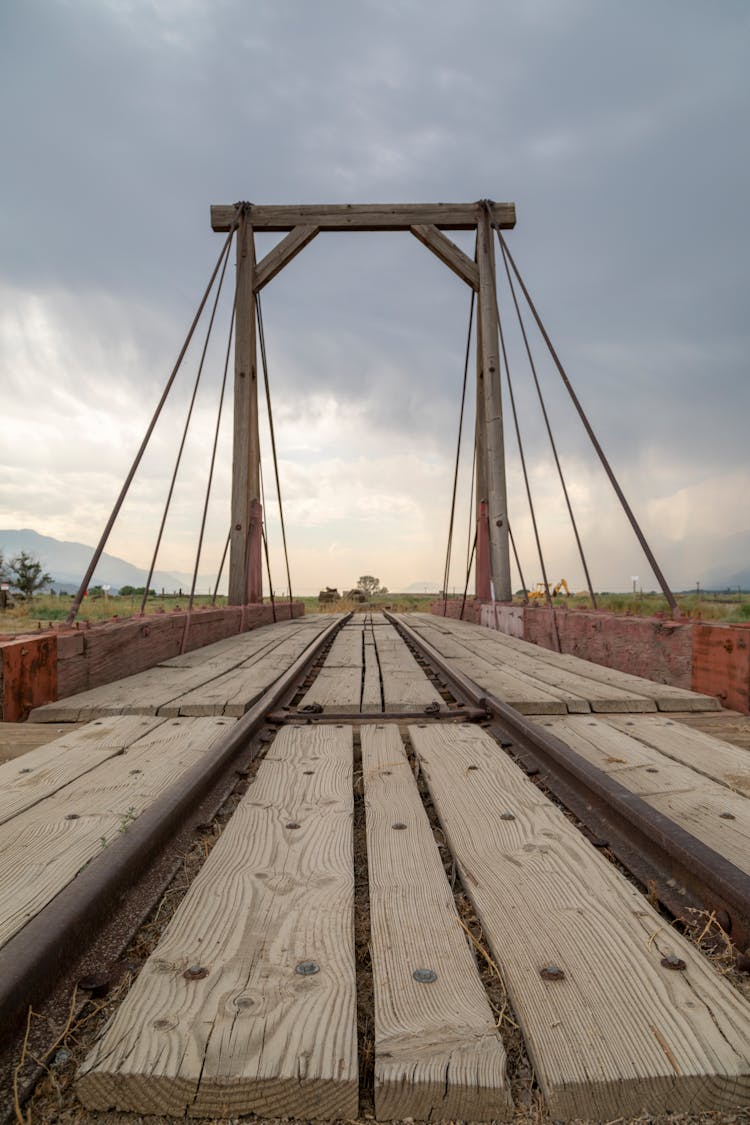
620, 130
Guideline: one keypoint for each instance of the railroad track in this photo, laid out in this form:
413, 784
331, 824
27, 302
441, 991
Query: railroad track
464, 769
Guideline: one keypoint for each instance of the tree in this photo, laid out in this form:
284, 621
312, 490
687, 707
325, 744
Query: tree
370, 585
26, 574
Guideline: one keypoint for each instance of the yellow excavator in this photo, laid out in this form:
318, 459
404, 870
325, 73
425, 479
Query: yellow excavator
539, 593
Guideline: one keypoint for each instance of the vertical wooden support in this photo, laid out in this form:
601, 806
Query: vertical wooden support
245, 544
482, 562
493, 416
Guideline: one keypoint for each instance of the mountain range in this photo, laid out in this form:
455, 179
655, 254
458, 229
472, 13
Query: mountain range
67, 563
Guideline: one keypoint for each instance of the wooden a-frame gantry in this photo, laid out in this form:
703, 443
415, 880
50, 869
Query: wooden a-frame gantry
427, 223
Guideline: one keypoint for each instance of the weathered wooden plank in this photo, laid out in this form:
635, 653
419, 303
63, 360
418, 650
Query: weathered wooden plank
620, 1035
253, 1035
703, 752
451, 255
665, 696
49, 768
282, 254
142, 694
438, 1055
335, 689
233, 651
695, 802
729, 726
43, 848
364, 216
405, 686
17, 739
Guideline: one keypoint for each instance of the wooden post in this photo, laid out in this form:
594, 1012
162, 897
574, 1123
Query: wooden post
493, 416
482, 562
244, 571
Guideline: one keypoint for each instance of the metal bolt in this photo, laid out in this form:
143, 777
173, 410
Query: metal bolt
425, 976
651, 769
672, 962
306, 968
472, 767
727, 816
507, 816
72, 816
552, 972
308, 773
292, 824
26, 769
195, 972
398, 825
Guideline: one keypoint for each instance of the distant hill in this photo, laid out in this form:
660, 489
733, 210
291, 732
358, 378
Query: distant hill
68, 562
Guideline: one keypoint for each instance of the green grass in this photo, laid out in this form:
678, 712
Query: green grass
43, 610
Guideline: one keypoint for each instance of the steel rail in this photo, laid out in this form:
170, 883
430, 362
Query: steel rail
684, 873
32, 961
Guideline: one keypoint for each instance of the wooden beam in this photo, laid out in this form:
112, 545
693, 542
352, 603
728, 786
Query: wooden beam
276, 259
366, 216
246, 458
493, 416
448, 253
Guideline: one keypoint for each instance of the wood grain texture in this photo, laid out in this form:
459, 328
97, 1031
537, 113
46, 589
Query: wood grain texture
253, 1035
17, 739
372, 695
438, 1055
729, 726
620, 1035
282, 254
405, 686
364, 216
51, 767
44, 847
665, 696
449, 254
195, 686
703, 752
246, 439
692, 800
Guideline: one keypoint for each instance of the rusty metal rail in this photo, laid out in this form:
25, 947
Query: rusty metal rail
684, 873
31, 962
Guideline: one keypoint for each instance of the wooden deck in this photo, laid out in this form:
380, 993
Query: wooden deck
248, 1004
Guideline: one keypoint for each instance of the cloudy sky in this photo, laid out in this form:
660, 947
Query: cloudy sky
620, 129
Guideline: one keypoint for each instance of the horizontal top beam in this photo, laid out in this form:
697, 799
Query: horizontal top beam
365, 216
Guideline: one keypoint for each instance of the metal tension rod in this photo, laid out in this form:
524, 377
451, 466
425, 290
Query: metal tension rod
594, 441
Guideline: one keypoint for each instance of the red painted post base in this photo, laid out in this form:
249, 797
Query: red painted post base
482, 567
255, 554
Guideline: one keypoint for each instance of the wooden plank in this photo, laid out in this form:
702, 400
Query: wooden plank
665, 696
43, 848
142, 694
705, 753
335, 689
19, 738
364, 216
692, 800
282, 254
246, 440
516, 688
438, 1055
49, 768
405, 686
729, 726
451, 255
556, 678
254, 1035
620, 1035
232, 651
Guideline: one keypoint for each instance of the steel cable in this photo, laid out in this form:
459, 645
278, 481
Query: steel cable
446, 572
262, 341
155, 417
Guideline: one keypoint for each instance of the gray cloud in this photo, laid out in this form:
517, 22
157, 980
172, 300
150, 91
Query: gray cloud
617, 130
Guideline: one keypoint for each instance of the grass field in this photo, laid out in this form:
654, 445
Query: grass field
41, 611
